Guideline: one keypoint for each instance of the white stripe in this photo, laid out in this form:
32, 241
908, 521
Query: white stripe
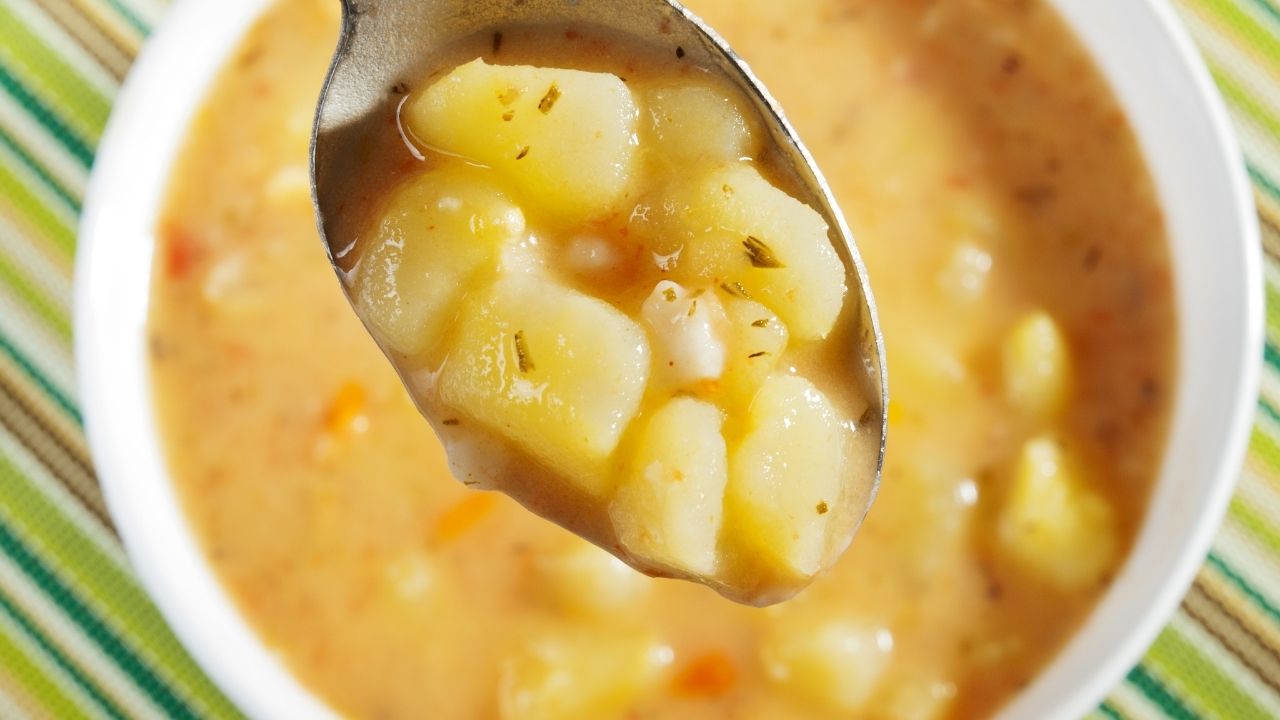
1250, 560
48, 352
1257, 492
1240, 675
9, 707
65, 46
48, 668
105, 673
58, 207
43, 146
1133, 704
53, 279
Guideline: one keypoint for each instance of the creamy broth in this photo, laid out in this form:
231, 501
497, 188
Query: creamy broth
987, 173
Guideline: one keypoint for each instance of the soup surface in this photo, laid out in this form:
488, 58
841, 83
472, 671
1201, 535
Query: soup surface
1018, 258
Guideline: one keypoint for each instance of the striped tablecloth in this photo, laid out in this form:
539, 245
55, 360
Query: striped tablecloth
78, 637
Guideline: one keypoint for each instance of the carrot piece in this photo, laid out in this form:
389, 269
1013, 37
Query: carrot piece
181, 252
711, 674
461, 518
346, 412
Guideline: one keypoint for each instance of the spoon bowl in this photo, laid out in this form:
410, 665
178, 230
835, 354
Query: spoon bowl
389, 46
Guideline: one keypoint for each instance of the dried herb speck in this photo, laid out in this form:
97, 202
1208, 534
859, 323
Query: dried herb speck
760, 255
669, 294
755, 355
450, 421
523, 151
548, 101
735, 289
679, 52
497, 42
822, 508
508, 96
523, 358
762, 322
509, 115
693, 308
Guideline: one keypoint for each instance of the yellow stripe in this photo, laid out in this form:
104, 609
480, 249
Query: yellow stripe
112, 25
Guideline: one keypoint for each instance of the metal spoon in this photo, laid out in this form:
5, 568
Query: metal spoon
388, 45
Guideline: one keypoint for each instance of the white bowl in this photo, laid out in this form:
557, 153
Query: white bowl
1189, 146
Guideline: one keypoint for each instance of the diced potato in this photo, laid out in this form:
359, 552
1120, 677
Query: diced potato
669, 504
692, 123
730, 225
565, 137
833, 663
578, 674
964, 276
1037, 365
686, 329
1052, 523
582, 578
757, 339
436, 233
555, 372
786, 478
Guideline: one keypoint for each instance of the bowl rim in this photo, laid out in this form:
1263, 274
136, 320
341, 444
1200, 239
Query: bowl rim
200, 610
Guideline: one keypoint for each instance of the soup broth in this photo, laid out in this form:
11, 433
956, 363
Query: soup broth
1019, 261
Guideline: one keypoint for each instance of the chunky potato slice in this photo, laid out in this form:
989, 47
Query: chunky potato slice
669, 502
832, 662
1052, 523
577, 674
581, 578
686, 329
756, 338
786, 479
564, 137
696, 122
1037, 365
435, 234
557, 373
731, 226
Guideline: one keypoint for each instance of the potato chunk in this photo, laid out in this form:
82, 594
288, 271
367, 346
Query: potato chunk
757, 339
668, 507
564, 137
834, 663
786, 479
435, 234
576, 674
691, 123
686, 328
1037, 365
584, 579
731, 226
1052, 523
555, 372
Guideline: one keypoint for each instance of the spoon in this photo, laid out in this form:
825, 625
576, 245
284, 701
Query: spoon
387, 46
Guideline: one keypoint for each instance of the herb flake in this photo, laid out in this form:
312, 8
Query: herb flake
761, 255
509, 115
755, 355
735, 288
450, 421
523, 151
669, 294
693, 308
761, 323
822, 508
523, 359
548, 101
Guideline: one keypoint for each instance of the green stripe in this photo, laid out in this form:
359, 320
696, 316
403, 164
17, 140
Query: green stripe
34, 632
39, 171
1272, 414
39, 686
1244, 25
36, 298
79, 102
1268, 8
50, 225
101, 636
97, 577
1259, 178
1245, 100
1258, 525
1110, 711
1156, 692
129, 17
1243, 586
39, 378
46, 118
1181, 662
1272, 307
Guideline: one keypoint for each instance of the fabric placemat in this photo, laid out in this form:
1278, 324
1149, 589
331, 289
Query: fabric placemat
80, 639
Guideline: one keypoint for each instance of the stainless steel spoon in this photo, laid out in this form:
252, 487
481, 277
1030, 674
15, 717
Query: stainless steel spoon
388, 45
